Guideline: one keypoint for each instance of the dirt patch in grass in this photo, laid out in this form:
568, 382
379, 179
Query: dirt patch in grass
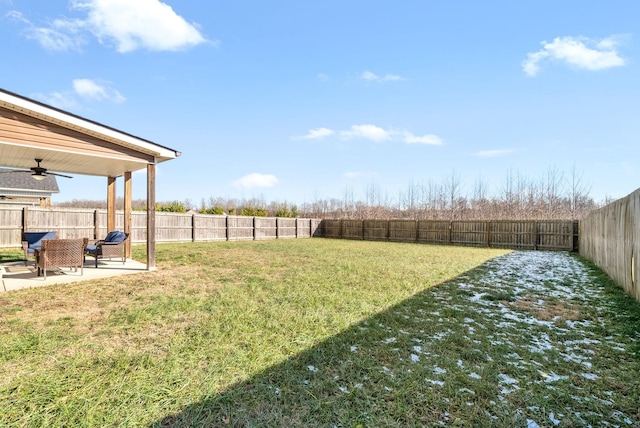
546, 310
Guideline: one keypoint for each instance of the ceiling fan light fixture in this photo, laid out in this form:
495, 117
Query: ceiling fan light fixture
38, 177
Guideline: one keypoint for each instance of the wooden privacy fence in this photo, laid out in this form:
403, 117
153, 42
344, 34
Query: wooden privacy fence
610, 238
178, 227
556, 235
170, 227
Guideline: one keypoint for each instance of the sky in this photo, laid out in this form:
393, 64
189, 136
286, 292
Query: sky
295, 101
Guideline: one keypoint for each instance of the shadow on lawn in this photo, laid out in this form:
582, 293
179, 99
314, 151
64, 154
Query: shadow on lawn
364, 376
310, 389
390, 371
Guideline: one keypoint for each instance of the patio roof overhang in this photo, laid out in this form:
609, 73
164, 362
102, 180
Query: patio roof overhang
69, 143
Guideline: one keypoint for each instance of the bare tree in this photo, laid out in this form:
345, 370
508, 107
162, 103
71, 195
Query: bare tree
508, 196
551, 195
553, 191
578, 194
452, 188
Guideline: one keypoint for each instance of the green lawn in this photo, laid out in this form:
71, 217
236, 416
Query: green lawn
325, 333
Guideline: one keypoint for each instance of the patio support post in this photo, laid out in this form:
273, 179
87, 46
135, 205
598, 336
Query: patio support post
151, 216
111, 204
127, 213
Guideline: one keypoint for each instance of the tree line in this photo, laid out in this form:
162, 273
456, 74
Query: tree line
554, 195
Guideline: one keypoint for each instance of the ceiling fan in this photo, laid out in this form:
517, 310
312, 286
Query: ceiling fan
38, 172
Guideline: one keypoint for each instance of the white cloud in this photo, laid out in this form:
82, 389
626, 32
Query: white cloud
374, 133
88, 88
130, 25
256, 180
430, 139
53, 39
369, 132
579, 52
61, 100
317, 133
139, 24
493, 153
60, 35
372, 77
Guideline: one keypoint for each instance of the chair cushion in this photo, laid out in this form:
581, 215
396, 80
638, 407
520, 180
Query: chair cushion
34, 239
91, 249
111, 236
121, 236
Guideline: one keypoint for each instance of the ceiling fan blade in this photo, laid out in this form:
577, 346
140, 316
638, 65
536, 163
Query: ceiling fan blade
4, 171
59, 175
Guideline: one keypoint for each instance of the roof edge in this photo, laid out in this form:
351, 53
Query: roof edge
160, 151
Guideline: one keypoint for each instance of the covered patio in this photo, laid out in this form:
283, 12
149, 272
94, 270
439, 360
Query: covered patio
17, 276
70, 144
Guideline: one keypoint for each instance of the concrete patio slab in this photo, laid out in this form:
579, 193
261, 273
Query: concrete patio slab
17, 276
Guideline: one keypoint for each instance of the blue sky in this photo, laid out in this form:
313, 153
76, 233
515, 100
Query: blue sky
296, 101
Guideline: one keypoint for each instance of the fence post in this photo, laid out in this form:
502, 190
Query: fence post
450, 232
96, 225
226, 227
277, 227
25, 222
417, 230
488, 234
535, 227
253, 223
193, 228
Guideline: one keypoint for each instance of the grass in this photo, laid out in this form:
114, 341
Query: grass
325, 333
8, 255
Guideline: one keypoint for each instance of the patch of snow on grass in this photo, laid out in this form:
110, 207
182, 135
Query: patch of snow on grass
441, 335
576, 359
507, 380
532, 424
589, 376
438, 370
552, 377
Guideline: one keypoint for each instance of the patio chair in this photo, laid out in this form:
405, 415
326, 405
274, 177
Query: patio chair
32, 241
111, 246
59, 253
